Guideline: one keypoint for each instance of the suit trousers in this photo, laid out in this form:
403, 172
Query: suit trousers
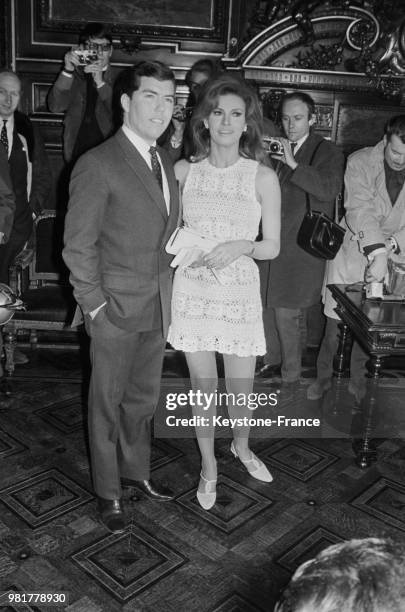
327, 352
10, 250
284, 329
123, 394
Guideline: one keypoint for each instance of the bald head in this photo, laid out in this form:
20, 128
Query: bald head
10, 93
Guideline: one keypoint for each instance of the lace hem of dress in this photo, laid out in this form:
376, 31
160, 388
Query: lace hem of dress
213, 343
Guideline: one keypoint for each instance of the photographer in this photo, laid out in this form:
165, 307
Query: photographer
177, 138
293, 281
84, 91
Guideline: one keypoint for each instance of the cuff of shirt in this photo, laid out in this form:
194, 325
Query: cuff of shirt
368, 250
378, 251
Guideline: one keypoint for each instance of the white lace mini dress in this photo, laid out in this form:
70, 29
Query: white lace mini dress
221, 312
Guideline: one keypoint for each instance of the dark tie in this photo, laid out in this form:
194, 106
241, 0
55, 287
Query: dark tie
3, 136
156, 169
293, 145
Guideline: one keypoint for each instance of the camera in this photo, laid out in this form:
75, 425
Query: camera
86, 56
272, 145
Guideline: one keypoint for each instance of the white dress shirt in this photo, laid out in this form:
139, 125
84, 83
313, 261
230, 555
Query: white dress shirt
299, 143
10, 131
143, 149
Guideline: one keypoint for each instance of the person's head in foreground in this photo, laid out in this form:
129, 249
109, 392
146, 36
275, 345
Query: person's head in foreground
355, 576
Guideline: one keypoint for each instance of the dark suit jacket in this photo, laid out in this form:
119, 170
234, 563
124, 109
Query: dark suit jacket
40, 171
7, 203
68, 94
115, 233
294, 279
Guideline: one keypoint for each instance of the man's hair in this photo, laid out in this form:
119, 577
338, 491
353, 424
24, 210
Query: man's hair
303, 97
395, 126
129, 80
210, 67
94, 30
251, 142
9, 72
355, 576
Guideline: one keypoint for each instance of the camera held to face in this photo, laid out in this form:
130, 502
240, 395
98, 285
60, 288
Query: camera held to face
86, 56
273, 146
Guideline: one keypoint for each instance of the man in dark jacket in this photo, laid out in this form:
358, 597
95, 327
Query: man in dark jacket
28, 167
29, 171
83, 90
7, 201
293, 281
123, 208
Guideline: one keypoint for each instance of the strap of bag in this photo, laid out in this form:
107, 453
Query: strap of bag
314, 152
338, 201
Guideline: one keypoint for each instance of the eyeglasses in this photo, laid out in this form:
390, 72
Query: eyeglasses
92, 46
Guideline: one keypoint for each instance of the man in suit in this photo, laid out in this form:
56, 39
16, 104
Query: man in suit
293, 281
7, 208
28, 167
7, 201
29, 171
83, 90
123, 207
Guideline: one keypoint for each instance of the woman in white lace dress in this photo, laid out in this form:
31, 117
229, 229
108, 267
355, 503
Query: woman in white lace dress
216, 303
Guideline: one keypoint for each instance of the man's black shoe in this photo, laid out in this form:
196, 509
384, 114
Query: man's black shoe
111, 514
149, 488
269, 371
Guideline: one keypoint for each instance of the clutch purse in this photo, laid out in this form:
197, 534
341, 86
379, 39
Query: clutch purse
186, 238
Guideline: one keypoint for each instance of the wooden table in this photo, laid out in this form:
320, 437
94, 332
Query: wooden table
379, 327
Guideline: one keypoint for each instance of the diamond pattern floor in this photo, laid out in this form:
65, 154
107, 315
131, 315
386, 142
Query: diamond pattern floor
175, 556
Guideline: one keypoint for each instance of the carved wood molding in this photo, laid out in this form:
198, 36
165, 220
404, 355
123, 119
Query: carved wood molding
328, 45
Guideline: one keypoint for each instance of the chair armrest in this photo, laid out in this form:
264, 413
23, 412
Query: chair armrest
18, 271
23, 259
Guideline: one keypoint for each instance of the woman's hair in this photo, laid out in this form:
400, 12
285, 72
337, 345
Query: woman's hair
250, 144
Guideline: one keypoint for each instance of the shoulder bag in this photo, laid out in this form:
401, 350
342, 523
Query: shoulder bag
319, 235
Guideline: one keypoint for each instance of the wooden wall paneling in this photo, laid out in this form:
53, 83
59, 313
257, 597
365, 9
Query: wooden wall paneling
359, 121
5, 34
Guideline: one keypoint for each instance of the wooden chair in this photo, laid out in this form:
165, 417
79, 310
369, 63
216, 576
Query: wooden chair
39, 277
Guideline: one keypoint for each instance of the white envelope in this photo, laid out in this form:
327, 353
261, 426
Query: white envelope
185, 238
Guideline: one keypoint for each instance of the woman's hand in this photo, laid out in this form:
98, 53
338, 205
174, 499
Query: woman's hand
225, 253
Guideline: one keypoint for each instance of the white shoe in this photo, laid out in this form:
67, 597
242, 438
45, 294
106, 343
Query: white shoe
207, 498
254, 466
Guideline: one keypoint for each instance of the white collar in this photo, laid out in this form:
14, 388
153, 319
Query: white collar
138, 142
300, 142
10, 121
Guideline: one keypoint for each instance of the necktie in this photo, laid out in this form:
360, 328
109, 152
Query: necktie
293, 145
156, 169
3, 136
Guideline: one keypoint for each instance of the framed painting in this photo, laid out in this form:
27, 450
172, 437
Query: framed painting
190, 19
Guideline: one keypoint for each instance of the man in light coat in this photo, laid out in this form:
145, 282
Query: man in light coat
375, 231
